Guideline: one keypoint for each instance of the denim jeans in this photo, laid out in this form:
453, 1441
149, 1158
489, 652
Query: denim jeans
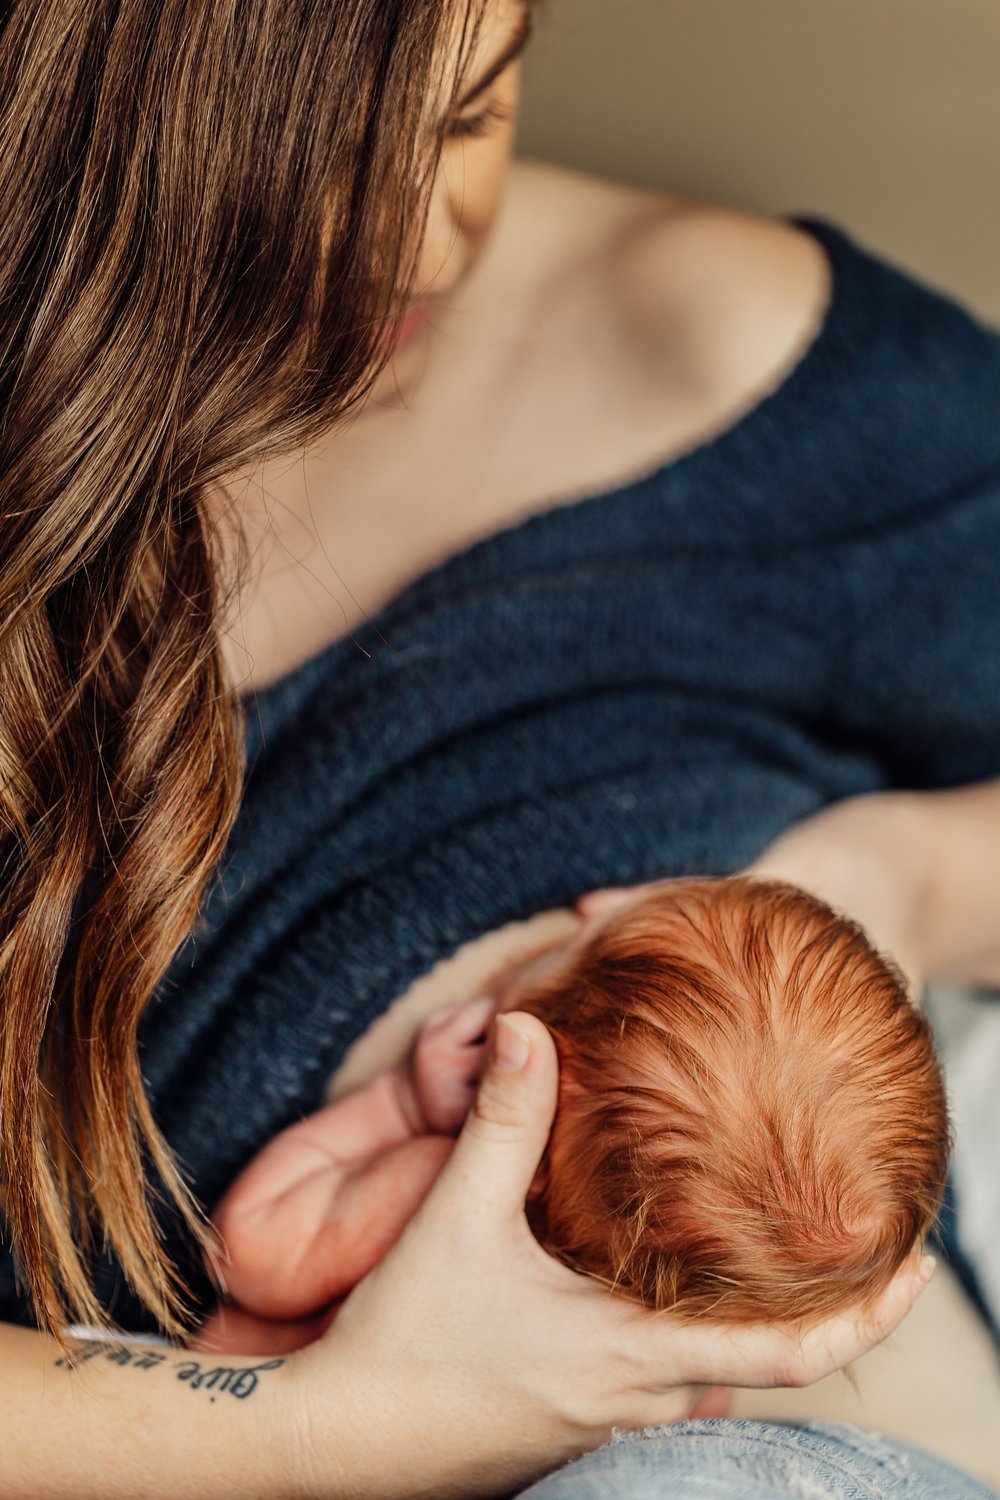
726, 1460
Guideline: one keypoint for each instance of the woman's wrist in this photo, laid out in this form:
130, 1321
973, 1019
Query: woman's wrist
370, 1432
121, 1419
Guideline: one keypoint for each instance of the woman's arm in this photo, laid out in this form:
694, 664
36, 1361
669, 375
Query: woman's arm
141, 1421
466, 1365
919, 871
961, 834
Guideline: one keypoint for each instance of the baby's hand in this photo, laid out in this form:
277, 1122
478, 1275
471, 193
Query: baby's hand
447, 1061
327, 1197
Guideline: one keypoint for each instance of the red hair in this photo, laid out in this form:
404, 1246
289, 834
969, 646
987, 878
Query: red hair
752, 1121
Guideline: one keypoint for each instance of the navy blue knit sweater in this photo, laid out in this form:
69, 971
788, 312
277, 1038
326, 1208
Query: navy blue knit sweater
648, 681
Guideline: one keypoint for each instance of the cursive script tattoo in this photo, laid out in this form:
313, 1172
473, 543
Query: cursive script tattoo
238, 1381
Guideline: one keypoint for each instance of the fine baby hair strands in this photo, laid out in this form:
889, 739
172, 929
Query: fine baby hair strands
752, 1121
174, 175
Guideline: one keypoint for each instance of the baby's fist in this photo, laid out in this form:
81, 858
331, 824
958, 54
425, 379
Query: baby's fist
447, 1061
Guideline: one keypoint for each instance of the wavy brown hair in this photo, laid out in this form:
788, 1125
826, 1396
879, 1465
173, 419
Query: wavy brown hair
206, 213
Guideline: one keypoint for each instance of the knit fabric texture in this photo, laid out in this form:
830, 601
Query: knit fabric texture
650, 681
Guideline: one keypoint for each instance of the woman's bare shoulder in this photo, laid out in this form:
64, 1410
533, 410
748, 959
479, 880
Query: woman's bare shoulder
736, 297
724, 301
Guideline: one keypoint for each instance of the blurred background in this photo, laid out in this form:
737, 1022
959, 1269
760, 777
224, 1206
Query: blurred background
882, 115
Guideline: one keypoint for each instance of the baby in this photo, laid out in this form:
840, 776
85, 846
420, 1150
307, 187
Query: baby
751, 1124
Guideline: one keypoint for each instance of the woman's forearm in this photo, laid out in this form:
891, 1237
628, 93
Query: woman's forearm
919, 870
960, 831
145, 1422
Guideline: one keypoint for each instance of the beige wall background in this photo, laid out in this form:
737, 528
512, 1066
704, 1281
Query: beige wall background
883, 115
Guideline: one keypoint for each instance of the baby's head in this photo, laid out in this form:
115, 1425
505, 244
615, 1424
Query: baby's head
752, 1121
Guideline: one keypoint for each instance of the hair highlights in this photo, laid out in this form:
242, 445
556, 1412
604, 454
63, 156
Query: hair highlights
208, 211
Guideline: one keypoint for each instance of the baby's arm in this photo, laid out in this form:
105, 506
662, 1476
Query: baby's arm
327, 1197
324, 1200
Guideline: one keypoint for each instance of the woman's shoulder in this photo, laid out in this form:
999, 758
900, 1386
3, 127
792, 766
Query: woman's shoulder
888, 386
726, 300
712, 303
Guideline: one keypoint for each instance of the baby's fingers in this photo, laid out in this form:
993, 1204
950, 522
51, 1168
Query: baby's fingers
447, 1061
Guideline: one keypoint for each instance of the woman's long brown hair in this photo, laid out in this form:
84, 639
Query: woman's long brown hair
206, 212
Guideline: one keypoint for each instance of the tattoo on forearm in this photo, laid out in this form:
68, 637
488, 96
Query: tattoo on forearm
240, 1381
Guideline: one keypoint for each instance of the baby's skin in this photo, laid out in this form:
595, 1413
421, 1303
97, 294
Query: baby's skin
323, 1202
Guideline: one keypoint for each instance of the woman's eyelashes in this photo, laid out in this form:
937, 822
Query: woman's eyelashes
483, 123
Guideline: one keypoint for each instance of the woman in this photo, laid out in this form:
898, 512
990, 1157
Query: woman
215, 219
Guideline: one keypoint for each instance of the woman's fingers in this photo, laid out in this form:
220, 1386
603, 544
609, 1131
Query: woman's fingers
467, 1312
783, 1355
502, 1140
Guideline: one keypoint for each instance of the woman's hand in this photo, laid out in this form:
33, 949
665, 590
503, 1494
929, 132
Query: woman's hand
469, 1362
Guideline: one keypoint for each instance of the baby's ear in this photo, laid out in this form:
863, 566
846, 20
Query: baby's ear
540, 1181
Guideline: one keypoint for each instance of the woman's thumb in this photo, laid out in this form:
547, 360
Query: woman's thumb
504, 1134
